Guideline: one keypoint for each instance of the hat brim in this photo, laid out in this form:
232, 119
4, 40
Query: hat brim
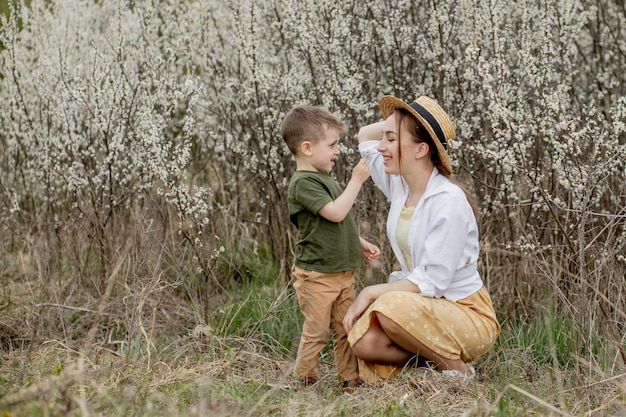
389, 104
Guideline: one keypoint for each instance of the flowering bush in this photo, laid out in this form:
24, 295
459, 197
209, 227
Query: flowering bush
117, 114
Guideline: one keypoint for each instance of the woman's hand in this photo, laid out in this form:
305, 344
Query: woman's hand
371, 293
356, 310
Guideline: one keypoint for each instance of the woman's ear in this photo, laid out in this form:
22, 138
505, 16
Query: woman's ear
422, 150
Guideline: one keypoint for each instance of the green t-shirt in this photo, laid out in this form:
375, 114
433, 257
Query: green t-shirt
322, 245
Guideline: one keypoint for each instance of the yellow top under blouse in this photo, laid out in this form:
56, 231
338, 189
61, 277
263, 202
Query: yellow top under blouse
402, 234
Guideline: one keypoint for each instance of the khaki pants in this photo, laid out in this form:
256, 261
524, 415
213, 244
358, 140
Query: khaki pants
324, 299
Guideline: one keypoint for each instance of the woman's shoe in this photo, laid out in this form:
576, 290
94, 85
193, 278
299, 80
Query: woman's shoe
458, 375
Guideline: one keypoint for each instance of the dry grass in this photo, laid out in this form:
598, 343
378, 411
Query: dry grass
247, 385
169, 365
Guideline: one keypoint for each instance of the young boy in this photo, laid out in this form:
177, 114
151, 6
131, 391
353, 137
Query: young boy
328, 249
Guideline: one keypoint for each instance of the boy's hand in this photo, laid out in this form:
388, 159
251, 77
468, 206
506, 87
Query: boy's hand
361, 171
371, 252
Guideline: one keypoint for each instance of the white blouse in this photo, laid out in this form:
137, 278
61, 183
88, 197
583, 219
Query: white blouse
443, 235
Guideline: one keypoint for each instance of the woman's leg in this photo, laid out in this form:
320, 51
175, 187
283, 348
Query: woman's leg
375, 346
397, 336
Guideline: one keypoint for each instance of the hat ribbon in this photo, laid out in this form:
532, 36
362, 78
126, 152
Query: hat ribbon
431, 121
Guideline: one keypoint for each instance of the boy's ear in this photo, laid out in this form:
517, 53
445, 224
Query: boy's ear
305, 148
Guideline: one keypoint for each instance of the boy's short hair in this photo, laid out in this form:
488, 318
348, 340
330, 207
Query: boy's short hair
308, 122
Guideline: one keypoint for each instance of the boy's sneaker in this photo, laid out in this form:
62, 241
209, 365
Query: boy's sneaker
348, 387
308, 381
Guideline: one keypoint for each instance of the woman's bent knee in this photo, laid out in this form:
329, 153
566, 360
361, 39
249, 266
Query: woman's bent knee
362, 349
367, 346
359, 349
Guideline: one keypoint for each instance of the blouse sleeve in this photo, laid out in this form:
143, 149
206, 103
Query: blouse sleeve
374, 160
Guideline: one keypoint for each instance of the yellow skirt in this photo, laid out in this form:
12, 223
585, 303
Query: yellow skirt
464, 329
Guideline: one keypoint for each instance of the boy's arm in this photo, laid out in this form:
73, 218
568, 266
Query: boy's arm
372, 131
337, 210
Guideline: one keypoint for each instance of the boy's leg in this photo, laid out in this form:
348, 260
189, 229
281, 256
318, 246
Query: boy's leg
316, 295
345, 360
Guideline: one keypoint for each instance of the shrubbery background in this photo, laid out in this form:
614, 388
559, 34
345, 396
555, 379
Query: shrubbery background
142, 172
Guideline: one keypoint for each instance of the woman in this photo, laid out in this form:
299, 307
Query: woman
436, 307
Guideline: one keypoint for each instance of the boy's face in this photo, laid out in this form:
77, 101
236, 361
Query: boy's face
323, 152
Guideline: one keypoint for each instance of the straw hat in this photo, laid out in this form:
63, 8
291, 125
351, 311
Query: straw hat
431, 116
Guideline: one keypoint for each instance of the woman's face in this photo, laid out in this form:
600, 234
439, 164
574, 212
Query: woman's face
397, 154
